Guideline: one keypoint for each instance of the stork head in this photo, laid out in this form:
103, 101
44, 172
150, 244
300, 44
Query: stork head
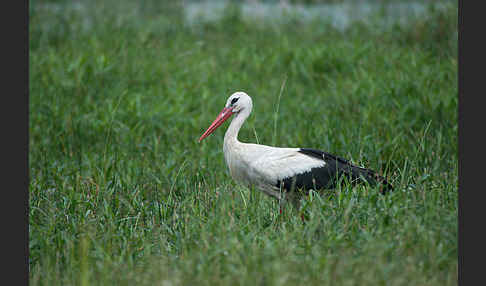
237, 103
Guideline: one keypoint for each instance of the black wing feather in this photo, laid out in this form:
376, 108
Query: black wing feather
328, 176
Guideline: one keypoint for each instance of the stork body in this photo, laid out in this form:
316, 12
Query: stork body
280, 172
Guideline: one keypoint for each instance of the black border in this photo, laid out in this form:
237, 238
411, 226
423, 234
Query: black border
471, 79
16, 136
15, 139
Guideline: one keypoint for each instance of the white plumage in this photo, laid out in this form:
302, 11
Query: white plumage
274, 170
263, 166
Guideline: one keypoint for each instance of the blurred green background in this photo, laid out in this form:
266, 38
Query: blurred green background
121, 192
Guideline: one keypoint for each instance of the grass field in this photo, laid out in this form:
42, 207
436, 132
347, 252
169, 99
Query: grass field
121, 193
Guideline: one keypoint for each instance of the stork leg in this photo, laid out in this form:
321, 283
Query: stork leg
294, 199
283, 197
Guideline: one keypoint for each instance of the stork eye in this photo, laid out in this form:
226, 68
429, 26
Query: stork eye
234, 100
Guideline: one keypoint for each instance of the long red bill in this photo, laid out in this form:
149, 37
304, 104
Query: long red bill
222, 116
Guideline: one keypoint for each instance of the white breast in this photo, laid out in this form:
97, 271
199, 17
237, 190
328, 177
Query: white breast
254, 164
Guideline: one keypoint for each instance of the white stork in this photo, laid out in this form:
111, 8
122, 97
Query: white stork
280, 172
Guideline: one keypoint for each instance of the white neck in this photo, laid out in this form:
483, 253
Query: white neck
231, 135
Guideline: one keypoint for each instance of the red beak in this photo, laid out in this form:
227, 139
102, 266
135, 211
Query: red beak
222, 116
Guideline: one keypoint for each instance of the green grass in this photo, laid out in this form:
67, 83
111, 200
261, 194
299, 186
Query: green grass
121, 193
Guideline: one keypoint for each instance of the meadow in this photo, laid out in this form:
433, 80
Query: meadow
121, 192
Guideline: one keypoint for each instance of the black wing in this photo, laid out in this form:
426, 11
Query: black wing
328, 176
